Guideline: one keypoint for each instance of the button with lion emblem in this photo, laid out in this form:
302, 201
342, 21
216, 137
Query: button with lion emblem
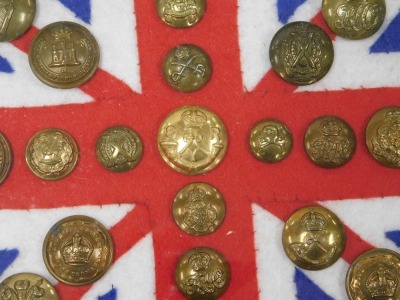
181, 13
5, 158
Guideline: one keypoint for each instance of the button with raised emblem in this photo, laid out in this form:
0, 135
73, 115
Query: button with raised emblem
5, 158
181, 13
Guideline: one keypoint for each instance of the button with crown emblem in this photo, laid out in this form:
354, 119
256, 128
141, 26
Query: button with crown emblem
313, 238
181, 13
6, 158
78, 250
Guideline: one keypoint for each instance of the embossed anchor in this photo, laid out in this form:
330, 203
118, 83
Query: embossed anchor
196, 69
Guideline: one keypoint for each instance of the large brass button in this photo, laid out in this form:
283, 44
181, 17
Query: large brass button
181, 13
5, 158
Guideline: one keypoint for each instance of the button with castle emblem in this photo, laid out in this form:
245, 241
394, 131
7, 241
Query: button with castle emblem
313, 238
5, 158
330, 142
202, 273
187, 68
181, 13
64, 55
78, 250
375, 274
301, 53
192, 140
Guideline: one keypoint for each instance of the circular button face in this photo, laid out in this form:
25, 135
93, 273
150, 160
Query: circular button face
5, 158
78, 250
202, 273
330, 142
51, 154
187, 68
375, 274
192, 140
383, 136
181, 13
313, 238
354, 19
64, 55
270, 141
301, 53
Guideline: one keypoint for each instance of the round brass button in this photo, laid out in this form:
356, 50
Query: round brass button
78, 250
192, 140
270, 141
187, 68
202, 273
26, 286
301, 53
375, 274
383, 136
181, 13
330, 142
5, 158
64, 55
313, 238
51, 154
355, 19
16, 16
199, 209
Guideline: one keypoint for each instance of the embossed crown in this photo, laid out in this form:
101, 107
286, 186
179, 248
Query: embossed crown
199, 261
62, 33
313, 221
196, 194
77, 250
193, 118
382, 284
330, 128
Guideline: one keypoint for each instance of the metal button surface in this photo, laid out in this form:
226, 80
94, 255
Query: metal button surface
181, 13
5, 158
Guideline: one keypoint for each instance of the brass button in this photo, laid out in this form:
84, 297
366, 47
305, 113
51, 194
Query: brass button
270, 141
187, 68
356, 19
202, 273
192, 140
51, 154
181, 13
383, 136
375, 274
26, 286
5, 158
199, 209
301, 53
78, 250
64, 55
313, 238
119, 149
330, 142
16, 16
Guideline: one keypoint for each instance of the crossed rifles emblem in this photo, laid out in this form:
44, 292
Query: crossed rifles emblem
188, 67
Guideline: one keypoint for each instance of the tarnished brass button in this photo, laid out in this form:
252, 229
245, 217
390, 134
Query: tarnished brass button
199, 209
78, 250
383, 136
181, 13
301, 53
355, 19
5, 158
330, 142
64, 55
51, 154
187, 68
16, 16
192, 140
202, 273
270, 141
313, 238
375, 274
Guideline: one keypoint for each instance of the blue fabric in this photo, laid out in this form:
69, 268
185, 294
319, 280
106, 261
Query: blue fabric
308, 290
5, 66
394, 236
111, 295
286, 9
81, 8
7, 257
389, 41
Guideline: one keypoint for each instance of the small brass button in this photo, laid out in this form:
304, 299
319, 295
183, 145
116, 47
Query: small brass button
199, 209
192, 140
78, 250
202, 273
64, 55
313, 238
181, 13
383, 136
330, 142
355, 19
270, 141
5, 158
375, 274
187, 68
301, 53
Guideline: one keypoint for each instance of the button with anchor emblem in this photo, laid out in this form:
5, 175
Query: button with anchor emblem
181, 13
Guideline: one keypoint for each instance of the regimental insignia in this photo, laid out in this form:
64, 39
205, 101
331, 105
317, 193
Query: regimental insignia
382, 284
184, 60
313, 221
77, 250
178, 10
271, 137
23, 290
6, 11
63, 52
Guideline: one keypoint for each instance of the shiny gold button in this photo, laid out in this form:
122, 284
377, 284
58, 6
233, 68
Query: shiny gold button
375, 274
187, 68
192, 140
64, 55
270, 141
301, 53
181, 13
313, 238
355, 19
202, 273
330, 142
199, 209
5, 158
78, 250
383, 136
